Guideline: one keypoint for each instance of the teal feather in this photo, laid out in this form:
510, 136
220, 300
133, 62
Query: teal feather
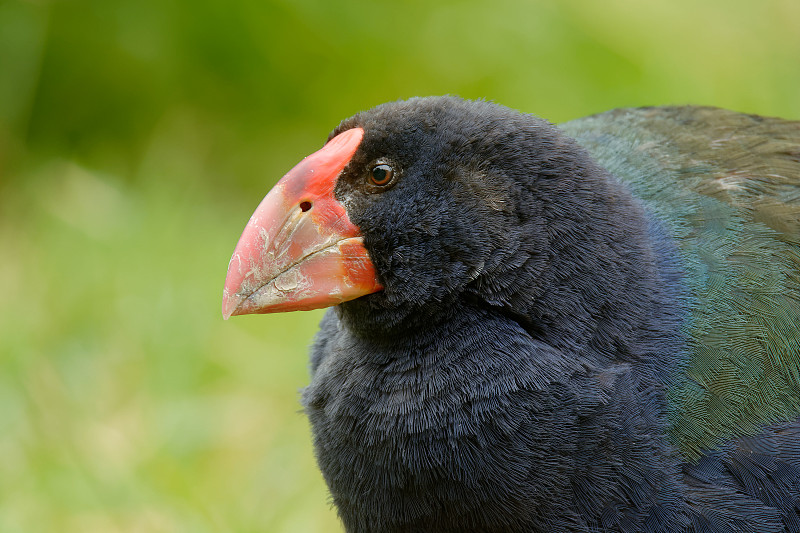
727, 187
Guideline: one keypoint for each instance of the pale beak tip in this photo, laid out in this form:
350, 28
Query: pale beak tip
230, 304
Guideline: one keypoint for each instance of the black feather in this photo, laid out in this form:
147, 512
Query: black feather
518, 372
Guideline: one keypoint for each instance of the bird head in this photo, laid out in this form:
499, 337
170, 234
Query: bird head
408, 206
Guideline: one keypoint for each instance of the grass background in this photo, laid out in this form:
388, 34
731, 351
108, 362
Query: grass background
136, 137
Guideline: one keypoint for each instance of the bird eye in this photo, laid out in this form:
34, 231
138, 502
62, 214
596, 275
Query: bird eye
381, 174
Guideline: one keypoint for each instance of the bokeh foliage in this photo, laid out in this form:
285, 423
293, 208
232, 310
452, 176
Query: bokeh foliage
137, 136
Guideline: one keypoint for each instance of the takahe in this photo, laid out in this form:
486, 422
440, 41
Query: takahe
590, 327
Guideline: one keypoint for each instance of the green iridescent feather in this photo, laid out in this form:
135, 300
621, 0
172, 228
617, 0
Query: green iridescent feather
727, 187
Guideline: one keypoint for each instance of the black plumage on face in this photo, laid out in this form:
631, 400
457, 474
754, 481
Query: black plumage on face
446, 216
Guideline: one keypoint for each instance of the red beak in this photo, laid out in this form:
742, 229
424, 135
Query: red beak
300, 251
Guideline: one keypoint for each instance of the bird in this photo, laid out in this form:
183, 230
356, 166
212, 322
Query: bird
584, 327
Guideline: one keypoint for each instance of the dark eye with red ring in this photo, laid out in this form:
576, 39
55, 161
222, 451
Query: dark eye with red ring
381, 175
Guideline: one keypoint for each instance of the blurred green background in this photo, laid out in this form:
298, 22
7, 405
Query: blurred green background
137, 136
